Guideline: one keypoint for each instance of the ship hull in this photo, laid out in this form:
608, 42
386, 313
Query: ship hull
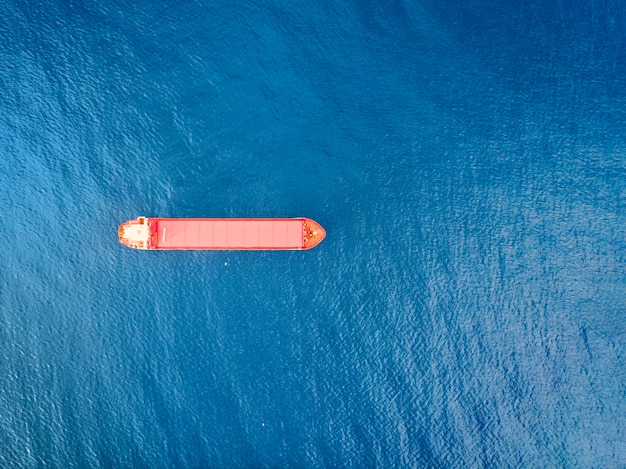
274, 234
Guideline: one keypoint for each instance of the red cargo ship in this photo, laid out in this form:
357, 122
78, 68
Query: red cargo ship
221, 233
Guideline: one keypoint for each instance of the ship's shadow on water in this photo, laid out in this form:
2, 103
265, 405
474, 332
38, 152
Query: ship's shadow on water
465, 308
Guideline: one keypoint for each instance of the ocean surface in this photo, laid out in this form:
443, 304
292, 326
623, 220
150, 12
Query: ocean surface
467, 308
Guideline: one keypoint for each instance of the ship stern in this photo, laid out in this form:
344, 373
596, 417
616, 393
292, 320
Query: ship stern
138, 234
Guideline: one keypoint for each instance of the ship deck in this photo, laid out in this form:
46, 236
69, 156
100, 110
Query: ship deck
232, 233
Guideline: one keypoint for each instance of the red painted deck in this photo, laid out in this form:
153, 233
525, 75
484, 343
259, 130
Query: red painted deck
231, 233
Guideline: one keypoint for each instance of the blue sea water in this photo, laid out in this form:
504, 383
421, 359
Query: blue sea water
467, 308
